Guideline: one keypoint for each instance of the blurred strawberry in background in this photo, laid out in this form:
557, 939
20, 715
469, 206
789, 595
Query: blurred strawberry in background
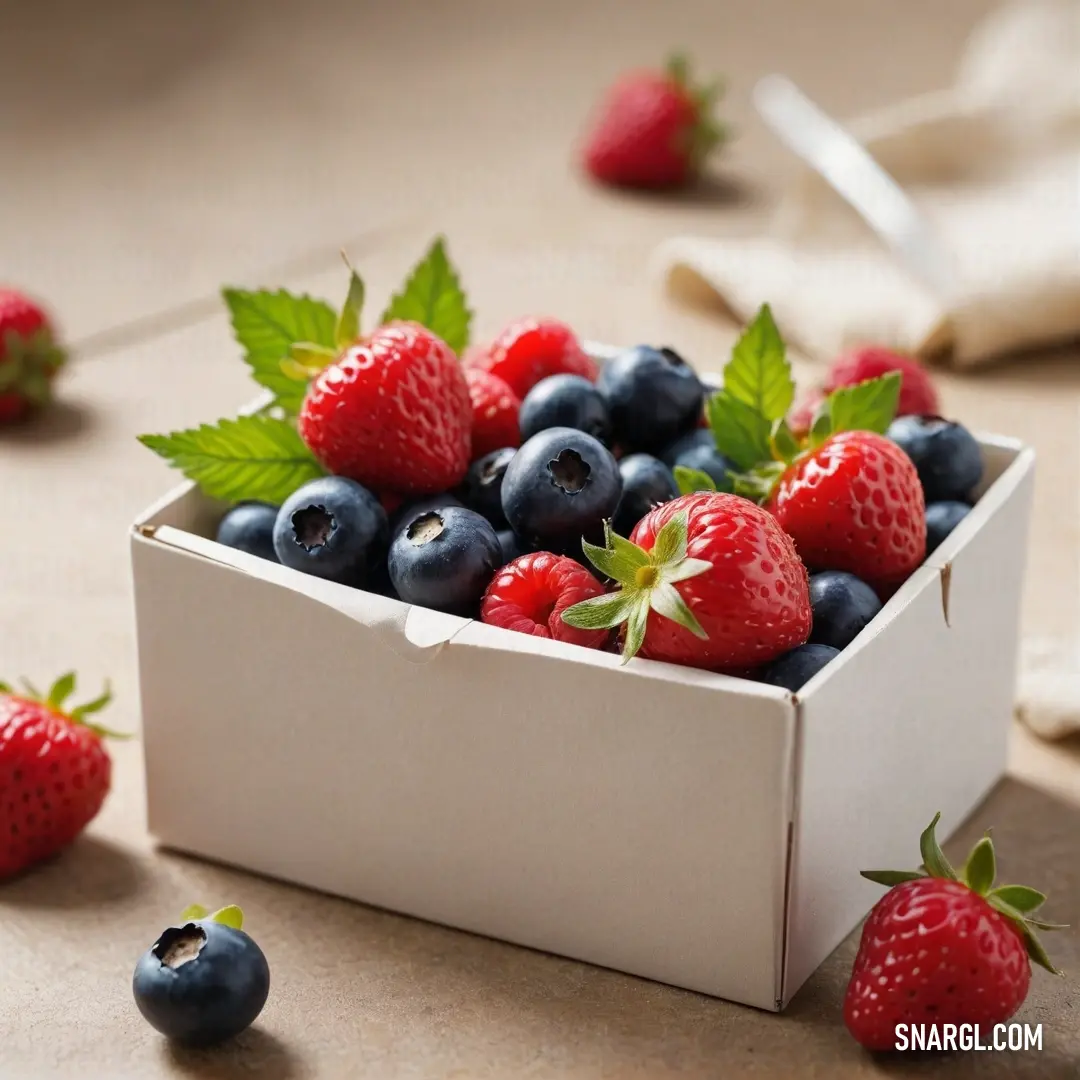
654, 129
29, 356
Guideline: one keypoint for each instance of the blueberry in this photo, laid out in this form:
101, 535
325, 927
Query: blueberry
482, 490
332, 528
444, 559
249, 526
941, 519
560, 487
565, 401
653, 396
842, 605
647, 482
799, 666
697, 450
511, 545
946, 455
202, 982
409, 511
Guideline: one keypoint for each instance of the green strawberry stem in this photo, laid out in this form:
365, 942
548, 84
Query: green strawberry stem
707, 132
230, 915
57, 697
647, 582
1015, 902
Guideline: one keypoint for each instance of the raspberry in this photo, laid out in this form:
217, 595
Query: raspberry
495, 411
531, 349
530, 594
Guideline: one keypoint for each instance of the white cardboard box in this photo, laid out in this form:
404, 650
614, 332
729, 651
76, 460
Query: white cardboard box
683, 826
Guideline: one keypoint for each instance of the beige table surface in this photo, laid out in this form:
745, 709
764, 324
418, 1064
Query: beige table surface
152, 151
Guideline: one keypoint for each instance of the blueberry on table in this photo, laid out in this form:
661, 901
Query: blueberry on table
653, 396
842, 605
941, 519
333, 528
561, 486
647, 482
203, 981
565, 401
444, 559
249, 526
697, 450
946, 455
482, 490
796, 668
407, 511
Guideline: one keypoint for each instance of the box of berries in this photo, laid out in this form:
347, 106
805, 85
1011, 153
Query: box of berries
576, 647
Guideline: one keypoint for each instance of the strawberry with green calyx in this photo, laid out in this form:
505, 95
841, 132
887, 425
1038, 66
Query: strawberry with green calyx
29, 356
707, 580
288, 341
655, 129
944, 947
848, 497
54, 770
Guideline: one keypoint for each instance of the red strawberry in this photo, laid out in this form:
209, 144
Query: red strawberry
29, 356
530, 594
943, 948
531, 349
855, 504
654, 130
392, 412
708, 580
918, 397
495, 411
54, 773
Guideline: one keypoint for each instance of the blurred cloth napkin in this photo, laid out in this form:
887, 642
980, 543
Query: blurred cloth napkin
993, 165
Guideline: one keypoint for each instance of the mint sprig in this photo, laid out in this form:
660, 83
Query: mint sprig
433, 297
1015, 902
251, 457
758, 391
647, 581
267, 325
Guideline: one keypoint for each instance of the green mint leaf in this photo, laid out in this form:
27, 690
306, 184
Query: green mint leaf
784, 442
666, 601
758, 373
889, 878
602, 612
741, 434
230, 915
635, 629
932, 856
267, 325
691, 480
670, 544
193, 913
1020, 897
981, 867
61, 690
867, 406
348, 322
251, 457
821, 428
433, 297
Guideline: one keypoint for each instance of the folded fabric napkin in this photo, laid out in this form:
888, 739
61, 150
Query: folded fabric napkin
992, 164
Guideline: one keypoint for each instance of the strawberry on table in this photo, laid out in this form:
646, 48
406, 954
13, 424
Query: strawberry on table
655, 129
707, 580
943, 947
918, 395
531, 349
54, 772
29, 356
